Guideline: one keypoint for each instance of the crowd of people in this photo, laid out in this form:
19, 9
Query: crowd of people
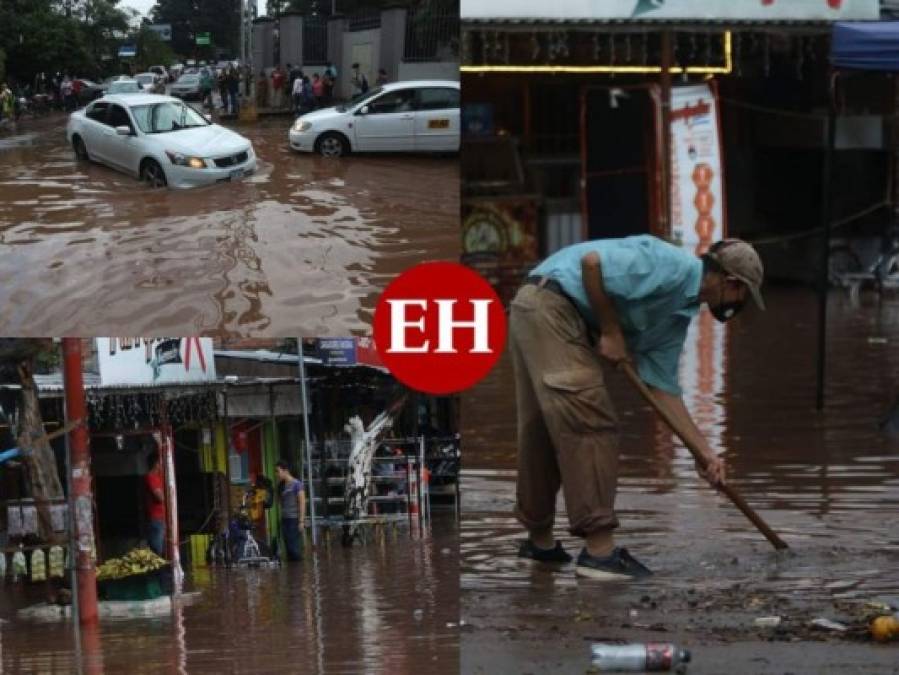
58, 91
280, 88
292, 87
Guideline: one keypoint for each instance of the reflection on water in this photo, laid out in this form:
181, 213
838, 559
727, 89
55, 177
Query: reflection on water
828, 482
304, 246
389, 607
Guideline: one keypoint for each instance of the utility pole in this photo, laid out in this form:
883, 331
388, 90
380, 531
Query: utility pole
82, 519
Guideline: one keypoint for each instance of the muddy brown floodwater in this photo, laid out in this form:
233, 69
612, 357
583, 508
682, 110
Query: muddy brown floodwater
388, 607
827, 482
304, 246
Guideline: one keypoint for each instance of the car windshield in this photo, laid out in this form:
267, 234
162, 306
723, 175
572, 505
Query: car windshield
145, 79
358, 98
161, 118
188, 79
124, 87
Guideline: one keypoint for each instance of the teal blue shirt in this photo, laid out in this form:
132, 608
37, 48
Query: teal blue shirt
654, 286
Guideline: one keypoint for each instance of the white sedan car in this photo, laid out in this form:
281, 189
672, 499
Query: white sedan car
412, 116
160, 140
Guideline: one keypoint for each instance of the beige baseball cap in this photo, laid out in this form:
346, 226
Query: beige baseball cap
741, 260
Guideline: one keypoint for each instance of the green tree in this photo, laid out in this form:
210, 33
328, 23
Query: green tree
152, 50
58, 35
220, 18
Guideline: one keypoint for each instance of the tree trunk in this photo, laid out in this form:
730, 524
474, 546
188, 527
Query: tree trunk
43, 476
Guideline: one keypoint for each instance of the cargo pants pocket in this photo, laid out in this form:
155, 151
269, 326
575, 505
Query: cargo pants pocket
577, 402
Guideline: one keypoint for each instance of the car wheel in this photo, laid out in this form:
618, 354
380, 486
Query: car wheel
152, 174
332, 145
80, 149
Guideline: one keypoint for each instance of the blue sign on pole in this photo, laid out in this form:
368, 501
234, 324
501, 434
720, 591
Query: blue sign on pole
337, 351
127, 51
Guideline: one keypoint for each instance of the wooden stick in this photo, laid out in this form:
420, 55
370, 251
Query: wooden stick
727, 489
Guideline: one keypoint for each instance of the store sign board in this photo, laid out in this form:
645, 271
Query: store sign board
649, 10
337, 351
143, 361
697, 188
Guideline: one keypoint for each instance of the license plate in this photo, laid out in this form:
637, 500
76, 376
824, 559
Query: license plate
237, 174
438, 124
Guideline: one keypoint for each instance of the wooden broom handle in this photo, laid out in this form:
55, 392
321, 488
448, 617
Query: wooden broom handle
727, 489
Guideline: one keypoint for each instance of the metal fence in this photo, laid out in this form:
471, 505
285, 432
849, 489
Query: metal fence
431, 36
366, 20
315, 40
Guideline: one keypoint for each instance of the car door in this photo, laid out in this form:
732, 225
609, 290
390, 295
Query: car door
94, 129
387, 123
437, 119
121, 150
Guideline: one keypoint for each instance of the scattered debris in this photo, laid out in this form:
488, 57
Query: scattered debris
827, 624
768, 621
885, 628
653, 657
837, 586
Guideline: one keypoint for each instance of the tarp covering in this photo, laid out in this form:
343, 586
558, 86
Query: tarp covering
866, 46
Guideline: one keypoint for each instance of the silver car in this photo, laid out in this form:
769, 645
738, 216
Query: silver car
188, 87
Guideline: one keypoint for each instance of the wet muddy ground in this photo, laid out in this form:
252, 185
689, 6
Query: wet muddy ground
389, 607
827, 482
303, 247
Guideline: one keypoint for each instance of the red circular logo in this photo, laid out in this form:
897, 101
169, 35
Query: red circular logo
439, 327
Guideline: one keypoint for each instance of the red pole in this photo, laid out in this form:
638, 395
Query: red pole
76, 409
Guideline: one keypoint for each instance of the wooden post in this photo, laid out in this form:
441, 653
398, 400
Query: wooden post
80, 469
823, 280
664, 227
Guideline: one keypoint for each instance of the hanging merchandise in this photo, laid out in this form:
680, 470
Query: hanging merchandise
19, 564
2, 566
58, 513
38, 565
14, 520
57, 562
29, 520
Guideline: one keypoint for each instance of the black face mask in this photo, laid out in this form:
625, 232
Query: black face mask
725, 311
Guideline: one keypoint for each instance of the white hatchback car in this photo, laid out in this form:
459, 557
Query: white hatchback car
411, 116
160, 140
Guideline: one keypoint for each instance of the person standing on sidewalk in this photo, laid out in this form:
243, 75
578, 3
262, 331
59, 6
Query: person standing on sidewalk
154, 488
616, 299
318, 90
277, 88
293, 511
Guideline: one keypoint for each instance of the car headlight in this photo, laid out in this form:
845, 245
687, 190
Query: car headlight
302, 125
184, 160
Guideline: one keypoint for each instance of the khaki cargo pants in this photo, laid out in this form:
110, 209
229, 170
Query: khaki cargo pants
567, 426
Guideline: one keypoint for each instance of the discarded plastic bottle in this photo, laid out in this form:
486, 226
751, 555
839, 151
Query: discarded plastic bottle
652, 656
885, 628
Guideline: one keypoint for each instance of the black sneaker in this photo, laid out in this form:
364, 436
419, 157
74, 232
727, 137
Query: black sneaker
618, 565
547, 555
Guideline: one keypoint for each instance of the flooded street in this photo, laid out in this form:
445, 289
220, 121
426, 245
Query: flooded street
828, 483
390, 607
302, 247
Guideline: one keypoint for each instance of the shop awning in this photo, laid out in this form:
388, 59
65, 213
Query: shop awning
669, 10
866, 46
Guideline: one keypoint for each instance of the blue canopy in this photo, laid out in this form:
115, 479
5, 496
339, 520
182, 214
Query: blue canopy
867, 45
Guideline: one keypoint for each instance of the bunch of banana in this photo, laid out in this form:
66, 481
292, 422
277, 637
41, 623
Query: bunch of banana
138, 561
